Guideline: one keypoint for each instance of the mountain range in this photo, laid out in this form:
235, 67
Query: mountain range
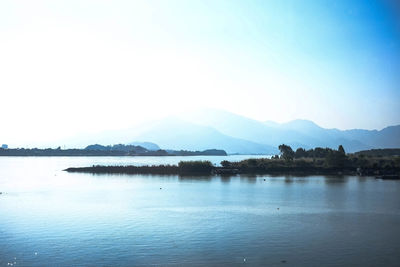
205, 129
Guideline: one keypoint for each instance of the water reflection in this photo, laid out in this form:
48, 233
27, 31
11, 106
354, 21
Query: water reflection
200, 178
248, 179
336, 180
330, 180
226, 178
75, 219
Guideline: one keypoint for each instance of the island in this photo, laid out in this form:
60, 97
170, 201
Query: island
323, 161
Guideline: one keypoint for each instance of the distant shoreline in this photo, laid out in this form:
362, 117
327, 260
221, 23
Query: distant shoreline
130, 156
138, 151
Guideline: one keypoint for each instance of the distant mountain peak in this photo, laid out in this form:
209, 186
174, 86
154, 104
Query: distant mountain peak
148, 145
302, 123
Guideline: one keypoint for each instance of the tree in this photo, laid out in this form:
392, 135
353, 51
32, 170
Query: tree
300, 153
286, 152
226, 164
336, 159
195, 166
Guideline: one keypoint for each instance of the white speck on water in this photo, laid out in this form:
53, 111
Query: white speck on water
35, 253
244, 259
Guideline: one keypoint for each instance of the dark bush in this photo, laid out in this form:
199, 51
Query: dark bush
195, 167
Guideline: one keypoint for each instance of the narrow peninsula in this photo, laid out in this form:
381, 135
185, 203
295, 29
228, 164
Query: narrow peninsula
323, 161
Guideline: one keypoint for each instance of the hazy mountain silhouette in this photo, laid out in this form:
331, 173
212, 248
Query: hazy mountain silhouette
324, 137
174, 133
148, 145
245, 128
388, 137
297, 133
210, 128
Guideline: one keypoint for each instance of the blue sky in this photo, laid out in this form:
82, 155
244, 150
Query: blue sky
85, 66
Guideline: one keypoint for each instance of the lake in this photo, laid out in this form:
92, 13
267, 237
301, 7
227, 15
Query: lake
49, 217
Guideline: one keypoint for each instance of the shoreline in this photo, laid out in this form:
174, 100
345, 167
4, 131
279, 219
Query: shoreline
222, 171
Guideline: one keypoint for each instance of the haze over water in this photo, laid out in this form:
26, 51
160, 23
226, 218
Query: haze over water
53, 218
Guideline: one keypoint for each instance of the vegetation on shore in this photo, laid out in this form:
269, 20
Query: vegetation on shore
99, 150
301, 161
184, 167
387, 152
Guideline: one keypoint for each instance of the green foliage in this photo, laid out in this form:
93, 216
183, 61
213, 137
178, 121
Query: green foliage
226, 164
195, 166
336, 159
286, 151
300, 153
341, 150
387, 152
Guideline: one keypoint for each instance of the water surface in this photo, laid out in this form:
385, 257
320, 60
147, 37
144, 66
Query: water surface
53, 218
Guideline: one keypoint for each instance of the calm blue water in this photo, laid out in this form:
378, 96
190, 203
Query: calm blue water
52, 218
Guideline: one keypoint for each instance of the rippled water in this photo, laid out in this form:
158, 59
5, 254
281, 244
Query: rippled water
52, 218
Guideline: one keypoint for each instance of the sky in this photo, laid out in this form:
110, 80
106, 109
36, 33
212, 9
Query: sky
71, 67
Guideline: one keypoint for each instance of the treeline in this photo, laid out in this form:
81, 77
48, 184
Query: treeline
318, 152
99, 150
318, 160
117, 147
59, 152
387, 152
49, 152
138, 150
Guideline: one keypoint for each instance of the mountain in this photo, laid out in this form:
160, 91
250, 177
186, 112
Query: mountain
296, 133
245, 128
148, 145
354, 140
217, 129
177, 134
388, 137
321, 137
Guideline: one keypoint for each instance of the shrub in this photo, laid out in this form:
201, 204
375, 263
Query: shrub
195, 167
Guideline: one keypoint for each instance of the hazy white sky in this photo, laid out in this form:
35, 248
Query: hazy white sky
68, 67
